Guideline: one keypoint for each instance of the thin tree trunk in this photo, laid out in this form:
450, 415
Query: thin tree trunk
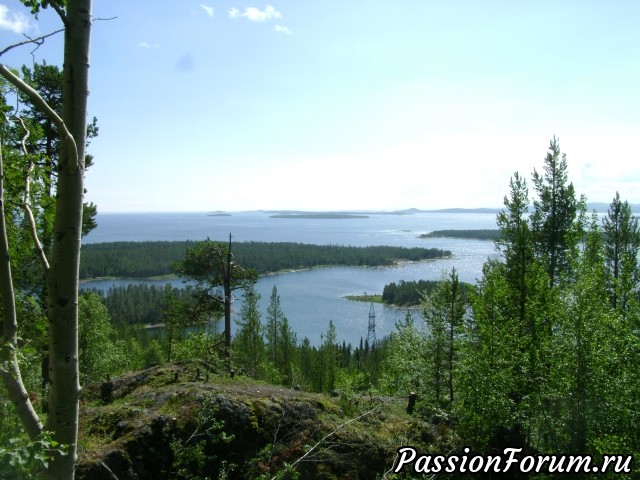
227, 309
9, 332
62, 282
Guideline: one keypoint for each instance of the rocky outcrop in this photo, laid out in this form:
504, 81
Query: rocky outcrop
167, 422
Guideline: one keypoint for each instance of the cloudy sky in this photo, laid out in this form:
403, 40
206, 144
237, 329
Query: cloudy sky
338, 105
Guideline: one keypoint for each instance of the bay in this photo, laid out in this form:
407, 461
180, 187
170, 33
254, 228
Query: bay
311, 298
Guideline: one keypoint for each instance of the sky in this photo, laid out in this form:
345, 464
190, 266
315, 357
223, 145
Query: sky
350, 105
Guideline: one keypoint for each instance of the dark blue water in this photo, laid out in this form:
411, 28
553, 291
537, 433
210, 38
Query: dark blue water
310, 299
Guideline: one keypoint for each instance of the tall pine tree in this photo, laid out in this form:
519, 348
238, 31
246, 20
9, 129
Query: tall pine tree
554, 221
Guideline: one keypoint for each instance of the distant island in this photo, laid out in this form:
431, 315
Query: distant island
475, 234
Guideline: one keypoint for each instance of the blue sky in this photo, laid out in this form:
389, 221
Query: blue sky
339, 105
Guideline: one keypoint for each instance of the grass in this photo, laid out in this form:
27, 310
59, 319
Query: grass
376, 298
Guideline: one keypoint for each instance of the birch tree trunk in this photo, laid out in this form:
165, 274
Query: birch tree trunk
62, 276
62, 280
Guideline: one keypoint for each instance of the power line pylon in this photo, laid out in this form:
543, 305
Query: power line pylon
371, 334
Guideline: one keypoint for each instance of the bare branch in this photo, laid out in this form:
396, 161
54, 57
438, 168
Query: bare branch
38, 41
26, 201
44, 106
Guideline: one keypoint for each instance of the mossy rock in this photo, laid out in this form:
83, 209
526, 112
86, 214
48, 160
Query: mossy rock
157, 421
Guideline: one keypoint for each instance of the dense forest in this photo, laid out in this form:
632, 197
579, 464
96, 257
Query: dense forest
411, 293
478, 234
146, 259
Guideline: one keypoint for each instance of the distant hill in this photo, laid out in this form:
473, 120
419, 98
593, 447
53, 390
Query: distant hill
464, 210
600, 207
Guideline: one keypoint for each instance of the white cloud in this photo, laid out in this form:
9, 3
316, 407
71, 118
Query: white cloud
254, 14
15, 22
282, 29
148, 45
207, 9
257, 15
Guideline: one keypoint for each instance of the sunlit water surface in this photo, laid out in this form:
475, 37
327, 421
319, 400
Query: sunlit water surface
311, 298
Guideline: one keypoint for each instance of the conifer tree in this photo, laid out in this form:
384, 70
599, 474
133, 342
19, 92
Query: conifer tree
275, 317
249, 340
287, 346
516, 243
622, 242
443, 311
554, 221
329, 351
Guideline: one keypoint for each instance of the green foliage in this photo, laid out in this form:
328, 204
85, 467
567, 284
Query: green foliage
195, 457
36, 5
101, 353
21, 459
405, 367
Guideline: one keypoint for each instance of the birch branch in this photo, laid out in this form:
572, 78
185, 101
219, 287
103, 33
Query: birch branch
60, 11
38, 101
9, 368
26, 201
38, 41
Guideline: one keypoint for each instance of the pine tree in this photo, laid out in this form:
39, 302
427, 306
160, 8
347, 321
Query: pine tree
249, 340
516, 243
329, 352
275, 316
287, 346
443, 311
622, 242
554, 221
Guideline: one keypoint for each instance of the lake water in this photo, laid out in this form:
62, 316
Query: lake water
310, 299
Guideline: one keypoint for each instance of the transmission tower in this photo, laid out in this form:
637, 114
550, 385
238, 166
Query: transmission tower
371, 334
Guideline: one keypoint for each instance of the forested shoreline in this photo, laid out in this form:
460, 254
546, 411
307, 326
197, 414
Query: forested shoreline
477, 234
148, 259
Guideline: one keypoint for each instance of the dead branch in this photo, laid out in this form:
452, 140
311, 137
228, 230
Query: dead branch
37, 41
26, 201
332, 432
